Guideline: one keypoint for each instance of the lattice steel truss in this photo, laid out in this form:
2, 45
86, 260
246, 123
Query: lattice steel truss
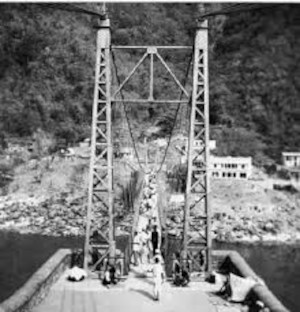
197, 188
100, 197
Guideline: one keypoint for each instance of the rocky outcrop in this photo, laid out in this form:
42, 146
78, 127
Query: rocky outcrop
59, 216
235, 227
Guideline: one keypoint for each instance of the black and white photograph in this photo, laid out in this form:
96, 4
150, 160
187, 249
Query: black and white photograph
149, 156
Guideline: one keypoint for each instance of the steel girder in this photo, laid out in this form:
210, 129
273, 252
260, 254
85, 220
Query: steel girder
100, 193
197, 188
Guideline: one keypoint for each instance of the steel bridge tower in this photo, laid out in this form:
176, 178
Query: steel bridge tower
197, 185
100, 193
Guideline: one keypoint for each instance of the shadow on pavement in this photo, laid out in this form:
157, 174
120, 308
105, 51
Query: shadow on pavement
144, 293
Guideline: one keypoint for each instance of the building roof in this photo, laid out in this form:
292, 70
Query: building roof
231, 158
290, 153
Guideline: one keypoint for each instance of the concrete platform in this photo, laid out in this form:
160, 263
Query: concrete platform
133, 294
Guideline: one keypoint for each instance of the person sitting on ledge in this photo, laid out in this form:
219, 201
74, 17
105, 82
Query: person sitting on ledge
106, 278
185, 277
112, 275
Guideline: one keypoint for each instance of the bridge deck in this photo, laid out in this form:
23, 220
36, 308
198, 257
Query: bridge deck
133, 294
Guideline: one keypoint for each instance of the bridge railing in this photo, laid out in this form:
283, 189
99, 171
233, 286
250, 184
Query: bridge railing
38, 285
228, 261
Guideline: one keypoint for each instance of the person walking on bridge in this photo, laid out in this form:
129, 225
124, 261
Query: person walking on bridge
145, 241
154, 239
159, 277
136, 249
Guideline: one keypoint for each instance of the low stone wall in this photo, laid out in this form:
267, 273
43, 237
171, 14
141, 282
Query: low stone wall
232, 261
36, 288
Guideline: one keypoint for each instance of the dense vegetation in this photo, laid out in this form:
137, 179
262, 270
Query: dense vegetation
47, 72
258, 81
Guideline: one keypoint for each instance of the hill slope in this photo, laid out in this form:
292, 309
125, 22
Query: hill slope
47, 72
258, 81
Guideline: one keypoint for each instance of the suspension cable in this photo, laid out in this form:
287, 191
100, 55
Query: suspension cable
175, 118
235, 8
70, 7
176, 113
126, 114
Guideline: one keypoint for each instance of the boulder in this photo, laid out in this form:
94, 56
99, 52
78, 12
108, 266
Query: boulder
269, 227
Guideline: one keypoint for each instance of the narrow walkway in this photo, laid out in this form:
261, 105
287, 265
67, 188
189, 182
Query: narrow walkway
136, 292
134, 295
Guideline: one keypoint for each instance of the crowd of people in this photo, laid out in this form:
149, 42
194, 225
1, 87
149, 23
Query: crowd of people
147, 237
146, 249
145, 244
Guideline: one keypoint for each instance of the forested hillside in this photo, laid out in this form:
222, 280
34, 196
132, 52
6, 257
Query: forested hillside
47, 72
256, 83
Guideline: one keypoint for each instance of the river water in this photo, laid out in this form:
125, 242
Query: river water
22, 255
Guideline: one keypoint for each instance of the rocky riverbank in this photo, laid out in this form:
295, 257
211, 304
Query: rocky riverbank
250, 211
64, 216
242, 211
55, 216
46, 216
50, 198
227, 228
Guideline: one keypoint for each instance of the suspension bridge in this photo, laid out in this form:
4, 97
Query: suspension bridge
134, 291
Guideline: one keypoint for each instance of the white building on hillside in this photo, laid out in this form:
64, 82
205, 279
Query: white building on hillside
220, 167
291, 159
230, 167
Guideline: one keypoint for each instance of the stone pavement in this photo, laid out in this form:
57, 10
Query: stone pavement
133, 294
